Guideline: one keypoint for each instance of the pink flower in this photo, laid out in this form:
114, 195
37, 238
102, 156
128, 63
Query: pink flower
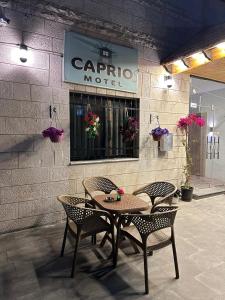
200, 121
121, 191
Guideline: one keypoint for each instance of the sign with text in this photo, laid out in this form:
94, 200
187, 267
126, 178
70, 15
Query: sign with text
101, 64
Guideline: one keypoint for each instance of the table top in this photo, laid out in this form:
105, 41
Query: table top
127, 204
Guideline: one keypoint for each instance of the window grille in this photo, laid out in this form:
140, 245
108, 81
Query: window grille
113, 113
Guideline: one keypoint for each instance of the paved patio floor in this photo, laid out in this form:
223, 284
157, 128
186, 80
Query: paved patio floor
30, 266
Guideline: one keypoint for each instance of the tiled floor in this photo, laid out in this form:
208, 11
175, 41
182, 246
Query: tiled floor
30, 266
205, 187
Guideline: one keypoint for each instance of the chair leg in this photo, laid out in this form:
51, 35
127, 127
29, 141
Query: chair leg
113, 248
117, 246
64, 238
175, 257
145, 254
75, 254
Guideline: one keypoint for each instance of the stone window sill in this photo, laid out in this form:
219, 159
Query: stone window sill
102, 161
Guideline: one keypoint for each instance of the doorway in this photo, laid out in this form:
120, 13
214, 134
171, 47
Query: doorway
207, 144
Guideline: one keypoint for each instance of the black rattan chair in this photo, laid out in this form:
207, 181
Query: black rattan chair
98, 184
148, 232
83, 222
162, 189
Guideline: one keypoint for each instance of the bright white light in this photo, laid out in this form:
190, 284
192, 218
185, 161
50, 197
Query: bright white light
200, 57
180, 65
221, 46
23, 56
168, 81
194, 91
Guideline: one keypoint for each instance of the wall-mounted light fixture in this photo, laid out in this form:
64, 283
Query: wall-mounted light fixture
168, 80
3, 19
23, 53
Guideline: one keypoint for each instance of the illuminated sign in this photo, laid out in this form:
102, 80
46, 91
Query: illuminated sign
97, 63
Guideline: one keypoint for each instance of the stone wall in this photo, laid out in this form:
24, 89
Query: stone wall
32, 170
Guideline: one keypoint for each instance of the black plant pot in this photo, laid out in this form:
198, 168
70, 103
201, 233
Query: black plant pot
186, 193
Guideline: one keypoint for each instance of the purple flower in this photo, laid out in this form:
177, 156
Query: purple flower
55, 135
158, 131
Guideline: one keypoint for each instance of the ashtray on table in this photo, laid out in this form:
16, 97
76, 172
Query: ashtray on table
109, 199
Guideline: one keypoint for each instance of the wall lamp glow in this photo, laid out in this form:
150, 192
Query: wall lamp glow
168, 80
23, 53
3, 19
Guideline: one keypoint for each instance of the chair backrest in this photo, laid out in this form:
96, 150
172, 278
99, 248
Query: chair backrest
157, 189
76, 211
101, 184
163, 217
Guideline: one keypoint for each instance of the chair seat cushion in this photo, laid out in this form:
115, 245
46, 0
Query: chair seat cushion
91, 226
155, 240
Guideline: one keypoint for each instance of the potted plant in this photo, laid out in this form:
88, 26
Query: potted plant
184, 124
56, 135
158, 132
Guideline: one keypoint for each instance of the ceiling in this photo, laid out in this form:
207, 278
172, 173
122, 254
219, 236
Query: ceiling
214, 70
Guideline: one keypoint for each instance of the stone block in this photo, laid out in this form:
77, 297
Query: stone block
10, 108
60, 96
8, 160
57, 45
23, 74
38, 41
2, 125
51, 189
8, 211
55, 78
32, 110
35, 207
30, 176
5, 178
16, 143
64, 112
59, 174
15, 126
6, 90
146, 82
41, 93
54, 29
30, 160
10, 35
20, 193
62, 155
21, 91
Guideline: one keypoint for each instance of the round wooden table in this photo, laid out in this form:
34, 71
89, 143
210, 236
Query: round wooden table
128, 204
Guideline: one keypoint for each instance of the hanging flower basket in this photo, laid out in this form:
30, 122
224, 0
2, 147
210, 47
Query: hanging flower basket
92, 122
158, 132
129, 130
56, 135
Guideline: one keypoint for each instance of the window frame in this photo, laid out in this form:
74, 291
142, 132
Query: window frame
136, 107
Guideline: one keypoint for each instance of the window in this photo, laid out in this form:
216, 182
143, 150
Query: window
115, 138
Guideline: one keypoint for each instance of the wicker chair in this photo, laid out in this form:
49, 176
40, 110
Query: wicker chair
98, 184
83, 222
148, 233
157, 189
